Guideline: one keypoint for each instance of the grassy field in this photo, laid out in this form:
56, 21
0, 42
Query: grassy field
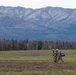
42, 56
40, 73
35, 55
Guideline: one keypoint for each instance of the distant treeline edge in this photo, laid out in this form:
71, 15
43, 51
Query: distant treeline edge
6, 45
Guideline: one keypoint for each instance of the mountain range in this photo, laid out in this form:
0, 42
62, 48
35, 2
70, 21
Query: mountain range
48, 23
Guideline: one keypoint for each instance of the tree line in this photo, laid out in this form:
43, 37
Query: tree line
34, 45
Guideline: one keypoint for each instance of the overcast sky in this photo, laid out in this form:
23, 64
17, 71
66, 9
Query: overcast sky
39, 3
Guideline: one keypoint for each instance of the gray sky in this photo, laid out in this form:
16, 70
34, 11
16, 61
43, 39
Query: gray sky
39, 3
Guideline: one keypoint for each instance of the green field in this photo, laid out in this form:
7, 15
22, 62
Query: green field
40, 73
37, 56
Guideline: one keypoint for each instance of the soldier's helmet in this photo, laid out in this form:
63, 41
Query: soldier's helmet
56, 50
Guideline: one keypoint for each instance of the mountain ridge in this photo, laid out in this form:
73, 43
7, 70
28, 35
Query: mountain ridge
49, 23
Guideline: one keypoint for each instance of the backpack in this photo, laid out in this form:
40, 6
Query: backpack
62, 53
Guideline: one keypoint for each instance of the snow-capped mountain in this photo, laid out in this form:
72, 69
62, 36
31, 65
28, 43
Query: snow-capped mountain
49, 23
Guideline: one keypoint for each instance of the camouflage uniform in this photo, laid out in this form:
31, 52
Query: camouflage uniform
59, 57
55, 55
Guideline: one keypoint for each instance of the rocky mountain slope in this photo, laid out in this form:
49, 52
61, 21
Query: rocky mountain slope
49, 23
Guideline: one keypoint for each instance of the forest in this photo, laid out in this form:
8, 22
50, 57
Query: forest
6, 45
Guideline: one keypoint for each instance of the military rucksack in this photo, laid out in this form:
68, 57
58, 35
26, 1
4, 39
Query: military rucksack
62, 53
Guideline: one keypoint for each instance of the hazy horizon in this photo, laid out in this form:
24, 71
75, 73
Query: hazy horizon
35, 4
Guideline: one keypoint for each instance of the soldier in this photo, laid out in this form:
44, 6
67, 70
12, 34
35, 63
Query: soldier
55, 55
60, 55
